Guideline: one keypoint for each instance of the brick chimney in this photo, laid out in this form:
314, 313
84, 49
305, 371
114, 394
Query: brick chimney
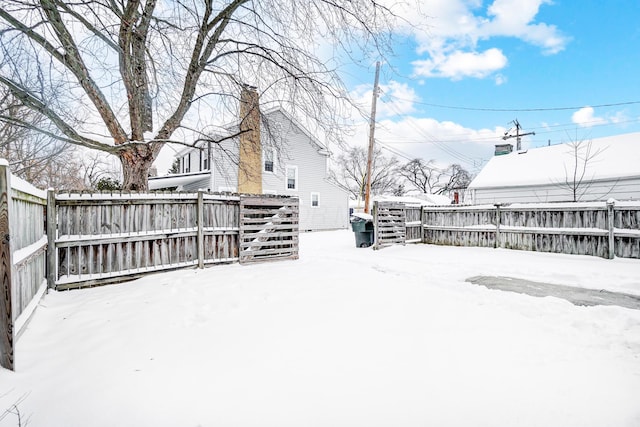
250, 155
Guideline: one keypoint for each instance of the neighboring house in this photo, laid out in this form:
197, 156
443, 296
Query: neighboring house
292, 163
589, 170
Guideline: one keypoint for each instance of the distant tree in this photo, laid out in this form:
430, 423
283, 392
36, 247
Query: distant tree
350, 172
175, 167
426, 177
457, 178
32, 156
95, 167
129, 75
423, 175
63, 172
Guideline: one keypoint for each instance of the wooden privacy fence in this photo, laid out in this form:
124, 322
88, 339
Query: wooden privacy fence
22, 256
73, 240
102, 237
596, 228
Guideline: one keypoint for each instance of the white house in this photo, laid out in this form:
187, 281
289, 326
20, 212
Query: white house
588, 170
293, 163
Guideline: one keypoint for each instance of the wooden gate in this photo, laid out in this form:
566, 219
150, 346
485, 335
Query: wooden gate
390, 223
268, 228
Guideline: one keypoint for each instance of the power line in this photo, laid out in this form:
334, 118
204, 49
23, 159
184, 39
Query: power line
462, 137
513, 110
433, 140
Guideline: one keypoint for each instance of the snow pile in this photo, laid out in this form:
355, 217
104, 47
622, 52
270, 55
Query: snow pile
362, 215
341, 337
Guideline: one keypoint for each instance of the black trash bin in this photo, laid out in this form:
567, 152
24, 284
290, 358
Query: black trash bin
363, 230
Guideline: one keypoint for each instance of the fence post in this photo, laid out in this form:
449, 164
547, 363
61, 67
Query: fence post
51, 239
610, 226
498, 243
375, 225
422, 233
200, 220
6, 265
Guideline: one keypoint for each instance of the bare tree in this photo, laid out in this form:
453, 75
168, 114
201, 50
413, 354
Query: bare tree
428, 178
457, 178
577, 181
30, 154
424, 176
132, 76
350, 172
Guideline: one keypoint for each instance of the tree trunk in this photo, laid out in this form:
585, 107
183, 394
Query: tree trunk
136, 161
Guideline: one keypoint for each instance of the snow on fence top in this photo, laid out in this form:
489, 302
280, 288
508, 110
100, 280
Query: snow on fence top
25, 187
126, 195
542, 206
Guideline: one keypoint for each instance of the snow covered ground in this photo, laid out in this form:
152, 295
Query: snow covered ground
341, 337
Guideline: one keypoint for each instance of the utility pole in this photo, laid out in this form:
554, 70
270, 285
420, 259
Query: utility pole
372, 128
518, 135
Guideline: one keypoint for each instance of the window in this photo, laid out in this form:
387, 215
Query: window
204, 160
269, 159
292, 178
187, 163
315, 200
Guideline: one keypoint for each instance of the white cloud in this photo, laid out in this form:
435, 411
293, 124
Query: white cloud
458, 65
511, 18
500, 79
619, 117
585, 117
444, 142
396, 99
455, 26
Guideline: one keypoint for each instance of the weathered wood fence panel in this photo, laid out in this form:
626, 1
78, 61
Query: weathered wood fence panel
22, 256
413, 223
579, 230
391, 223
103, 237
598, 229
626, 230
268, 228
469, 226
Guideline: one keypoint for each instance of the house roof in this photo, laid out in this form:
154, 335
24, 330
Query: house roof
612, 157
228, 129
319, 145
158, 182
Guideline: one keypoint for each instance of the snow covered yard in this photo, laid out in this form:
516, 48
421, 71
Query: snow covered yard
341, 337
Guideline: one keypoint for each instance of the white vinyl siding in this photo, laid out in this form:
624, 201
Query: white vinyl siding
298, 150
620, 189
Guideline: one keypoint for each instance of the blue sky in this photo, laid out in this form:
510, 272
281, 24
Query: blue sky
491, 61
